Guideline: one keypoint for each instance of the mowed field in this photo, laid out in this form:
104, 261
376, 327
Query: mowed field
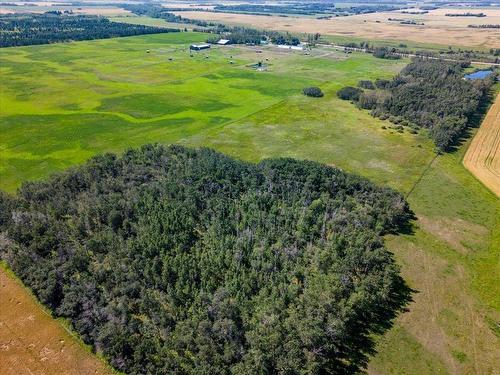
33, 343
61, 104
438, 28
483, 156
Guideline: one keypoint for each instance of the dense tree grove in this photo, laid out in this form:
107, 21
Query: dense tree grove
28, 29
180, 261
431, 94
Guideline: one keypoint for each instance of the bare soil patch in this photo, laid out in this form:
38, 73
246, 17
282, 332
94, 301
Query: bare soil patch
32, 342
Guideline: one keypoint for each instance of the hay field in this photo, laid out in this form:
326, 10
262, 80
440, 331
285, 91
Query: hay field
483, 155
31, 342
438, 29
63, 103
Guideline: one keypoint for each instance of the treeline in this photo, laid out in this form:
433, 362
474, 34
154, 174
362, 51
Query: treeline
431, 94
302, 8
386, 53
402, 50
244, 35
485, 26
157, 11
172, 260
465, 14
28, 29
235, 34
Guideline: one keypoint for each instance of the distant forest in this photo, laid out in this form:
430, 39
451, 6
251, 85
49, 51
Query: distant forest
431, 94
52, 27
173, 260
303, 8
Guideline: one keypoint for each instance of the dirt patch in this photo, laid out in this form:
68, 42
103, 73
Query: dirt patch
32, 342
459, 234
483, 155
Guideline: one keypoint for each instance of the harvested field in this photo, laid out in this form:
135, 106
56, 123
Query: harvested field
89, 10
483, 156
31, 342
438, 28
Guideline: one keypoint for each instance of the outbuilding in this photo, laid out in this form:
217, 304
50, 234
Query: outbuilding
199, 47
223, 42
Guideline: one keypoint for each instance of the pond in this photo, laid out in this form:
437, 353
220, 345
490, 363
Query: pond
480, 74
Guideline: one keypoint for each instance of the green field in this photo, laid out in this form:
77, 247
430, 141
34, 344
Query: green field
150, 21
61, 104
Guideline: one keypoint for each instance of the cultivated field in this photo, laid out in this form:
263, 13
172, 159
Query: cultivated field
61, 104
438, 28
31, 342
483, 155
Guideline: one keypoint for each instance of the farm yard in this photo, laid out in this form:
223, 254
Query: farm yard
61, 104
437, 28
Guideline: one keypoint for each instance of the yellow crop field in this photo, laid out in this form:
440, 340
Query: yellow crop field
483, 156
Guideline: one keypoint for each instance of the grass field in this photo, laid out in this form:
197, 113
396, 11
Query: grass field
63, 103
483, 156
149, 21
438, 29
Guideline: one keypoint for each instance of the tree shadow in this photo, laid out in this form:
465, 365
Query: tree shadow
474, 121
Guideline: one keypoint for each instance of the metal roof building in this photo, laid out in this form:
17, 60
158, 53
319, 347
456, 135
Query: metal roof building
199, 47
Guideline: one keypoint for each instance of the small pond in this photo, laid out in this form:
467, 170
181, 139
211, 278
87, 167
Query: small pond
480, 74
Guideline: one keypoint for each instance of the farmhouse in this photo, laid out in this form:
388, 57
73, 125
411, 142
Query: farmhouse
199, 47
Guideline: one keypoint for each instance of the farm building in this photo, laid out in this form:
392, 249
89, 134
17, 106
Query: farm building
199, 47
223, 42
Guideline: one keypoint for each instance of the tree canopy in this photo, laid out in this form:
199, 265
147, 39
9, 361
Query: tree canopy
174, 260
55, 26
429, 93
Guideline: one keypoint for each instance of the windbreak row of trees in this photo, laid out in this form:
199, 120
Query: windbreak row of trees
29, 29
173, 260
428, 93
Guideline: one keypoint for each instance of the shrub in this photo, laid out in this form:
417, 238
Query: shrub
385, 53
315, 92
365, 84
349, 93
368, 100
382, 83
